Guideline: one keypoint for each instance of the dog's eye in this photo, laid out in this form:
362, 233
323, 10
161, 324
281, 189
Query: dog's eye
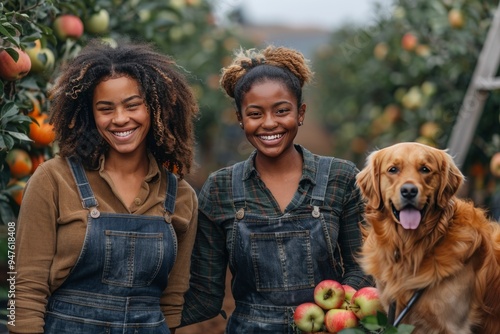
425, 170
393, 170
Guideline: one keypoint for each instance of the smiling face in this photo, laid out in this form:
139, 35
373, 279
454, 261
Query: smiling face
121, 115
270, 117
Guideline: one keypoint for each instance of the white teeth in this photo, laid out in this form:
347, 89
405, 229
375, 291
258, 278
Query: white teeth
272, 137
123, 134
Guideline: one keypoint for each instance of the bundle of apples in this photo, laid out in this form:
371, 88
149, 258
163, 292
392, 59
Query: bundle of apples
336, 306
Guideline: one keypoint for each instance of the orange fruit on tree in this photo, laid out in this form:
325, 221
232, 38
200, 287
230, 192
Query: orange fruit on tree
42, 133
36, 160
19, 162
16, 191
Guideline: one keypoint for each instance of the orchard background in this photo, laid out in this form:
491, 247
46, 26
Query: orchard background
400, 77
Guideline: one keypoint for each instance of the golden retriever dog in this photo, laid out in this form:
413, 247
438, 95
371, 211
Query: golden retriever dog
420, 236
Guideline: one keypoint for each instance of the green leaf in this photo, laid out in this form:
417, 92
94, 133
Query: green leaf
6, 212
371, 322
391, 330
19, 135
405, 329
352, 331
6, 142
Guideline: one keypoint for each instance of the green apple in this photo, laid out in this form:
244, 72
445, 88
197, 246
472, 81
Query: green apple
309, 317
98, 23
366, 301
42, 59
329, 294
349, 292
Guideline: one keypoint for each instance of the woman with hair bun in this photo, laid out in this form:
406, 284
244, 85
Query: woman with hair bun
284, 219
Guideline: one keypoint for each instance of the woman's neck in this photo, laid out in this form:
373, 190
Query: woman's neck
280, 167
125, 164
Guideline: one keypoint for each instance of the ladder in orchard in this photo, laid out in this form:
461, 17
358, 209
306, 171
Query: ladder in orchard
483, 81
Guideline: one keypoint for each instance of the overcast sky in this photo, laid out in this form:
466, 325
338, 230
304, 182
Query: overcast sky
326, 14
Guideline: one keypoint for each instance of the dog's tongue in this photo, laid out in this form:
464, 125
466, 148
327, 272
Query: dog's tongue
409, 218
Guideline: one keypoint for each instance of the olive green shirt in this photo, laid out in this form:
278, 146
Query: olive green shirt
51, 229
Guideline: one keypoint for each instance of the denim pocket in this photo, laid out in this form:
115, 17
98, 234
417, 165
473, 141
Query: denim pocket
56, 324
282, 260
132, 259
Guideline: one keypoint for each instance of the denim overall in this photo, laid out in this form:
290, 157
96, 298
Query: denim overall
277, 261
116, 283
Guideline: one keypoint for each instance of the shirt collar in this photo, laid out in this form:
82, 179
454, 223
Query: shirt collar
153, 171
308, 169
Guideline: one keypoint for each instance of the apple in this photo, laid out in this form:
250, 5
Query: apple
392, 113
430, 130
309, 317
495, 164
12, 70
68, 26
366, 301
329, 294
456, 18
428, 88
409, 41
338, 319
413, 99
423, 50
380, 50
98, 23
42, 59
349, 292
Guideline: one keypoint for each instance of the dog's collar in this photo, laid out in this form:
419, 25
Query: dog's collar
392, 308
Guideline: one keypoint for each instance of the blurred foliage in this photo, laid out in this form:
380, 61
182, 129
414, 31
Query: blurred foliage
370, 90
375, 86
184, 29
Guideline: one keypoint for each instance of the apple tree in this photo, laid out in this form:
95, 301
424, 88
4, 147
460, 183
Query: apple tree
403, 77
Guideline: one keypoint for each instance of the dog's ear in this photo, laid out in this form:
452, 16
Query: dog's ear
368, 180
452, 179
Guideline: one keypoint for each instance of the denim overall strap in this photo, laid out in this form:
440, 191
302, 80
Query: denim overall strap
169, 204
86, 193
237, 183
322, 175
122, 272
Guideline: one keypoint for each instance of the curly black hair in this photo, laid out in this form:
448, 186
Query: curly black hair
167, 94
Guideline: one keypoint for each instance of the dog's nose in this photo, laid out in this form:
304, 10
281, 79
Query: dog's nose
409, 190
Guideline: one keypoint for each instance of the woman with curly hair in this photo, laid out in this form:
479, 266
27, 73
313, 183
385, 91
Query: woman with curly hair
106, 228
284, 219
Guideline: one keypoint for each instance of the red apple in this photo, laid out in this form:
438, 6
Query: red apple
349, 292
495, 164
456, 18
309, 317
337, 320
68, 26
329, 294
10, 69
409, 41
98, 23
366, 301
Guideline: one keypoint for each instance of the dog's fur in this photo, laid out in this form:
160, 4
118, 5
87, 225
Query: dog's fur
453, 253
